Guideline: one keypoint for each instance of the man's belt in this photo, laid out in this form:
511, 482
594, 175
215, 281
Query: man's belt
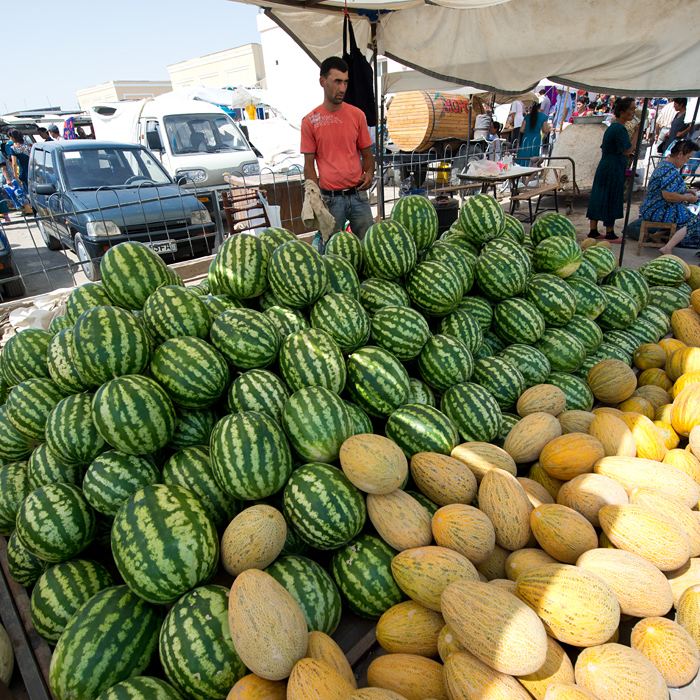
343, 193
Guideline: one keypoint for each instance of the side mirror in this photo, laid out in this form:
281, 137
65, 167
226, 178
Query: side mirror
153, 141
46, 189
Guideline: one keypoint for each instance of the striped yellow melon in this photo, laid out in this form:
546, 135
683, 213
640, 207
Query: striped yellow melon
373, 463
506, 584
443, 479
528, 437
575, 421
677, 510
663, 413
607, 409
612, 381
375, 694
252, 687
465, 529
540, 476
495, 565
654, 394
694, 441
314, 680
468, 678
253, 539
604, 542
425, 572
537, 493
646, 532
631, 473
507, 506
523, 560
670, 345
570, 455
668, 435
557, 668
562, 532
641, 589
576, 606
616, 672
686, 461
637, 404
686, 359
268, 628
650, 445
688, 612
683, 381
685, 324
410, 628
681, 579
401, 521
614, 435
568, 691
669, 647
481, 457
412, 676
541, 398
447, 643
323, 648
685, 413
655, 377
693, 281
649, 355
588, 493
473, 610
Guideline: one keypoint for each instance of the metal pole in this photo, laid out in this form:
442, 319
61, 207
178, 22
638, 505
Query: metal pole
638, 148
379, 141
565, 107
469, 129
695, 116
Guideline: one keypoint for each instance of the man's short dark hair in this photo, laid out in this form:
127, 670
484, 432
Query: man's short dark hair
682, 101
333, 62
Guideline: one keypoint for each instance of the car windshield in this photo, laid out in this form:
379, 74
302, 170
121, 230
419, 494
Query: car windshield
203, 133
92, 168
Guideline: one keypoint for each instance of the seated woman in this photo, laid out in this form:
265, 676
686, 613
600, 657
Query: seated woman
667, 195
582, 108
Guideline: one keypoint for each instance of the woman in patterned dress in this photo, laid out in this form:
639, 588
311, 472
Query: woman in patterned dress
667, 195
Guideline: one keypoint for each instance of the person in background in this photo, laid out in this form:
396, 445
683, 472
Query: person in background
516, 115
678, 128
20, 157
545, 103
531, 130
582, 108
667, 196
607, 194
54, 133
495, 149
44, 133
664, 119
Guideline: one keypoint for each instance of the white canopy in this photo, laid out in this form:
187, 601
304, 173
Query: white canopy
631, 47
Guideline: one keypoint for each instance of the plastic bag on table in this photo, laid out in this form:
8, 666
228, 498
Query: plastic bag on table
483, 168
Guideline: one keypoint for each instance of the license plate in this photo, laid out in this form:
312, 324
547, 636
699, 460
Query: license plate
162, 246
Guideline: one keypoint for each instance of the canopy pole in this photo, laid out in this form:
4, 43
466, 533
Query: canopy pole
637, 149
695, 116
564, 108
469, 128
379, 131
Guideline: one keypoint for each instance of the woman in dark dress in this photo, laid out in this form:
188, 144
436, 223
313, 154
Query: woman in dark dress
607, 195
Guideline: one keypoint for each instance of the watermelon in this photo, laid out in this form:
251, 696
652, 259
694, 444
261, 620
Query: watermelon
620, 310
578, 396
86, 296
246, 338
644, 331
173, 312
14, 488
389, 250
514, 229
509, 249
376, 294
499, 275
323, 507
445, 361
602, 259
557, 255
60, 323
258, 390
564, 351
434, 288
625, 341
217, 304
312, 358
551, 224
23, 566
419, 428
463, 325
501, 378
29, 404
418, 216
419, 392
518, 321
667, 299
532, 364
607, 351
275, 236
140, 688
286, 320
481, 309
346, 245
297, 274
552, 297
431, 507
632, 282
240, 266
400, 330
457, 259
193, 428
585, 271
342, 276
343, 319
665, 271
508, 423
590, 299
361, 422
71, 434
24, 356
43, 467
482, 218
464, 244
61, 366
474, 411
657, 318
586, 331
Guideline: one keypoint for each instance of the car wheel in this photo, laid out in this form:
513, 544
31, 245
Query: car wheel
51, 242
89, 267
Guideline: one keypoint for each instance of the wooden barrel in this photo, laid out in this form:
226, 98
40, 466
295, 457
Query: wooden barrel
416, 119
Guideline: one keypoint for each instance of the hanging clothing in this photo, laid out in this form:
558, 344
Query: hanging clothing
531, 140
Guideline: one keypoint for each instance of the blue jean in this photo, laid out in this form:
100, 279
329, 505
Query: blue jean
353, 208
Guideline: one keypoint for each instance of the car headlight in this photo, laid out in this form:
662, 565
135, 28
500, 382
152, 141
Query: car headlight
102, 228
251, 169
200, 216
193, 175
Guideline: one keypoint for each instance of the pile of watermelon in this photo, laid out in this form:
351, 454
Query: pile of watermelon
151, 414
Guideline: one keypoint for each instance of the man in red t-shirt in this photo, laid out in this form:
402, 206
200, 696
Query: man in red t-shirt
335, 139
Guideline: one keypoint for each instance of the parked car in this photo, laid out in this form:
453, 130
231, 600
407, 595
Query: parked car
13, 288
90, 195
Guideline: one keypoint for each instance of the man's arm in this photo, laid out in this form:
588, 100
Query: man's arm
367, 169
310, 167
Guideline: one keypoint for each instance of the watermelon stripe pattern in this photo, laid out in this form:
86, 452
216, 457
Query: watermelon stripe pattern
602, 259
140, 688
552, 297
240, 266
557, 255
564, 352
474, 411
217, 304
312, 358
578, 396
258, 390
275, 236
418, 216
14, 488
60, 323
86, 296
297, 274
401, 331
286, 320
501, 378
664, 272
193, 428
418, 428
23, 566
590, 299
632, 282
532, 364
246, 338
551, 224
667, 299
24, 356
71, 434
482, 218
389, 250
361, 422
173, 312
421, 393
518, 321
480, 309
499, 275
61, 366
343, 319
43, 467
346, 245
455, 258
434, 288
462, 325
29, 404
444, 362
342, 276
620, 310
586, 331
376, 294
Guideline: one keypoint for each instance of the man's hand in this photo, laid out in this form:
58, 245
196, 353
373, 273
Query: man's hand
365, 181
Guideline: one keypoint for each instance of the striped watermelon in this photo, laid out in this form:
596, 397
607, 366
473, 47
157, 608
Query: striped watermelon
501, 379
286, 320
418, 216
240, 266
578, 396
400, 330
192, 372
389, 250
508, 423
657, 318
620, 310
499, 275
62, 368
113, 476
317, 423
258, 390
602, 259
462, 325
667, 299
13, 445
482, 218
552, 297
86, 296
418, 428
297, 274
419, 392
217, 304
29, 404
23, 566
445, 361
197, 658
509, 249
362, 572
558, 255
140, 688
625, 341
455, 258
585, 271
632, 282
193, 428
249, 455
431, 507
463, 243
664, 272
131, 272
607, 351
434, 288
590, 299
585, 330
347, 245
24, 356
564, 352
474, 411
60, 323
644, 331
360, 420
376, 294
312, 588
518, 321
551, 224
71, 434
14, 488
43, 467
532, 364
342, 276
191, 468
312, 358
344, 319
377, 382
246, 338
481, 309
172, 312
55, 522
323, 507
109, 639
275, 236
133, 414
514, 229
61, 591
183, 554
97, 355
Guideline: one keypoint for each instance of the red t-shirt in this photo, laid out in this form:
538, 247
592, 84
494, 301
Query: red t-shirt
336, 139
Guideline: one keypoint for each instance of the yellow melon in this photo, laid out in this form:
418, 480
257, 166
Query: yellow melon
268, 628
562, 532
612, 381
410, 628
607, 409
588, 493
323, 648
575, 421
694, 279
683, 381
537, 493
495, 565
654, 394
604, 542
523, 560
668, 435
663, 413
507, 506
576, 606
481, 457
375, 694
688, 612
253, 539
650, 444
414, 677
570, 455
447, 643
616, 672
614, 435
557, 668
641, 589
401, 521
685, 413
694, 441
685, 325
424, 573
465, 529
506, 584
467, 677
686, 461
443, 479
541, 398
568, 691
685, 265
670, 345
528, 437
252, 687
373, 463
646, 532
655, 377
681, 579
681, 361
540, 476
669, 647
314, 680
649, 355
637, 404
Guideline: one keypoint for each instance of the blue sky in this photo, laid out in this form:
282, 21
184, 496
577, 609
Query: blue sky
69, 47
